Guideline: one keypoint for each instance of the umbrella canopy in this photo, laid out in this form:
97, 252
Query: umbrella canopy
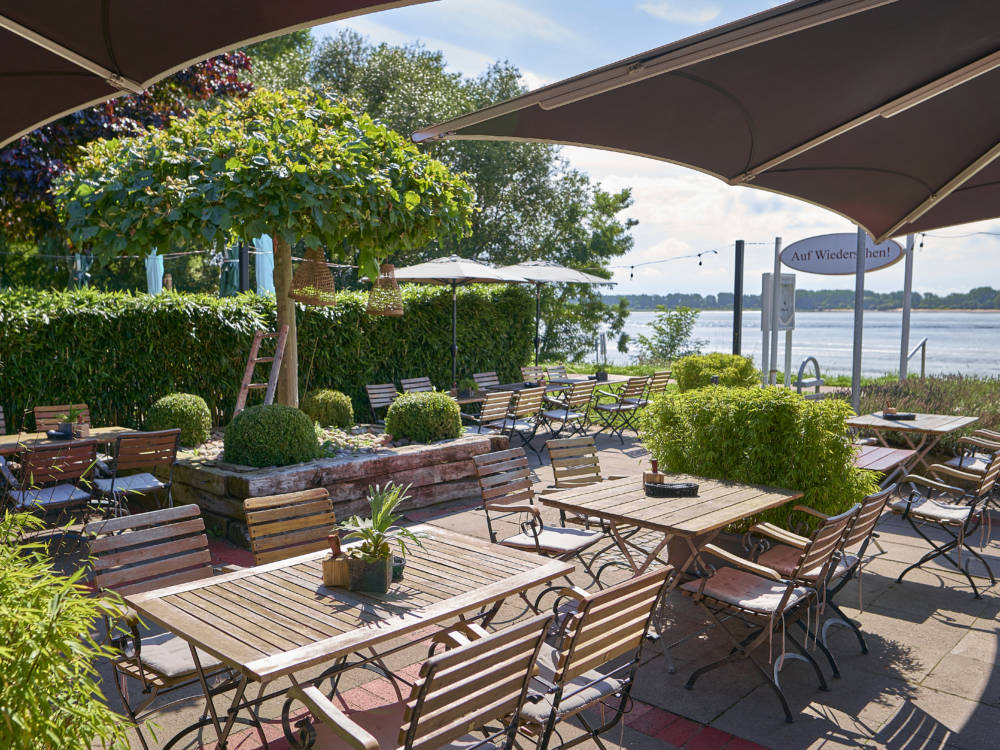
884, 111
62, 55
454, 270
549, 272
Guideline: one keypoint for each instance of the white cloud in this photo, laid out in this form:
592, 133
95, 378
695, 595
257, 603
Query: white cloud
503, 19
688, 12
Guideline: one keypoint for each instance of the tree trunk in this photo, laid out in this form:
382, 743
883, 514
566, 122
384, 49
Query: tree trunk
288, 378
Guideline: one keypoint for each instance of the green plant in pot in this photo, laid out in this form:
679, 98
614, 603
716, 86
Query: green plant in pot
370, 562
466, 387
601, 374
67, 421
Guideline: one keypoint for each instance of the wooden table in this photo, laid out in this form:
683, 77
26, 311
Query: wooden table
927, 428
277, 619
10, 444
559, 384
888, 461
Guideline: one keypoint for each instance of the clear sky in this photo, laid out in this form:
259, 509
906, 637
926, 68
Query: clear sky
679, 210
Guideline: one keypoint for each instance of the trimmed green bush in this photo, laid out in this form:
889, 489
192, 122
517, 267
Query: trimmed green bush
270, 435
119, 352
328, 407
767, 436
184, 410
696, 370
424, 417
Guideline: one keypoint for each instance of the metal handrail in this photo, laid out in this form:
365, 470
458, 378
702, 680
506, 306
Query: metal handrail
816, 382
922, 346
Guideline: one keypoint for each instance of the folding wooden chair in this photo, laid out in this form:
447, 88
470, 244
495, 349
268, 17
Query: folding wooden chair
557, 374
49, 417
461, 691
524, 416
492, 415
575, 463
752, 594
975, 451
505, 482
571, 411
620, 415
657, 385
142, 552
52, 477
139, 450
532, 373
486, 380
416, 385
380, 396
283, 526
780, 550
919, 504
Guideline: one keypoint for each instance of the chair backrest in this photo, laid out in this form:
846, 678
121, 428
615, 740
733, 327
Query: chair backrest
989, 478
574, 461
531, 373
469, 687
528, 402
494, 408
283, 526
580, 394
634, 389
864, 522
825, 541
3, 423
147, 551
556, 371
609, 623
136, 450
381, 395
486, 379
49, 417
658, 382
56, 463
416, 385
504, 477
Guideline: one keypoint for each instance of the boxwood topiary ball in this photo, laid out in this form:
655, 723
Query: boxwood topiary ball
184, 410
270, 435
330, 408
424, 417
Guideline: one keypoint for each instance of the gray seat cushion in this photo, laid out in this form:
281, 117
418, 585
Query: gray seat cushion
142, 482
578, 694
555, 539
785, 559
751, 592
977, 464
563, 415
170, 656
61, 494
931, 510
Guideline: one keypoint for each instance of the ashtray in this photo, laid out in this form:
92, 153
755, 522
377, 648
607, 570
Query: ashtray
899, 416
57, 435
671, 489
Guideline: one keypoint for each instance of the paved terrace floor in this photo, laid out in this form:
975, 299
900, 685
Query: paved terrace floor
930, 681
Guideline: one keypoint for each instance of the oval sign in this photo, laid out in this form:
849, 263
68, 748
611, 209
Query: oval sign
834, 254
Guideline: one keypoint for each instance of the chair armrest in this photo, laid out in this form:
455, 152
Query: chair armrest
739, 562
950, 471
924, 481
119, 610
810, 511
990, 446
463, 634
988, 434
609, 394
780, 535
353, 734
613, 477
223, 568
572, 592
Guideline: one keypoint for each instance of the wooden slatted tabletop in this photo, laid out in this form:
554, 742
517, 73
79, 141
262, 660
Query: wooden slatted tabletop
279, 618
10, 444
880, 458
925, 424
624, 501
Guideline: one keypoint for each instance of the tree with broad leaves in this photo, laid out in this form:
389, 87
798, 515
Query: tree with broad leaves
295, 166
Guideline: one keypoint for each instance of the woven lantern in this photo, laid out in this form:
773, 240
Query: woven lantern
385, 298
312, 283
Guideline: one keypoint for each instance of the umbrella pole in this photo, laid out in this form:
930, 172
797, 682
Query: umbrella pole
538, 315
454, 334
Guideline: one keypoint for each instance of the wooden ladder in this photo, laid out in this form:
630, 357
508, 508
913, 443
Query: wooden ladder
272, 379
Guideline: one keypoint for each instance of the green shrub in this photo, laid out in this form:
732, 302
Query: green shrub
767, 436
50, 695
696, 371
270, 435
184, 410
329, 408
424, 417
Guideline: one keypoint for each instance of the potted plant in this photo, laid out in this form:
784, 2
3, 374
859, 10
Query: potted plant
466, 387
67, 421
370, 563
601, 374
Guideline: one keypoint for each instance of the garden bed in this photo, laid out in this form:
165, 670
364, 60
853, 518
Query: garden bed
438, 472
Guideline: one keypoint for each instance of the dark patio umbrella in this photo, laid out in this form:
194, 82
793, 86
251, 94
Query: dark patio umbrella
884, 111
549, 272
59, 56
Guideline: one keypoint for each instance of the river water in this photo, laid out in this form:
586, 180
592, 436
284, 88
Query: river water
965, 342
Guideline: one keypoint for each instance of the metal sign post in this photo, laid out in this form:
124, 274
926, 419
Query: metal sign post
775, 292
859, 313
738, 300
904, 341
777, 317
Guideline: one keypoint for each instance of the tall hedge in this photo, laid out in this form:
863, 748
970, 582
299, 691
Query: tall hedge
120, 352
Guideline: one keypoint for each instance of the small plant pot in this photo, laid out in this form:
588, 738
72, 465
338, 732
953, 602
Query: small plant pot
373, 577
65, 429
398, 565
464, 393
601, 376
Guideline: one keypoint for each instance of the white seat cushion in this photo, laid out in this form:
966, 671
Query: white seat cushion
133, 483
617, 407
170, 656
563, 415
480, 429
746, 590
61, 494
519, 425
785, 559
576, 696
969, 463
931, 510
555, 539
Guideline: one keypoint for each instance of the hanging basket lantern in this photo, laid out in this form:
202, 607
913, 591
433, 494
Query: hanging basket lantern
312, 283
385, 298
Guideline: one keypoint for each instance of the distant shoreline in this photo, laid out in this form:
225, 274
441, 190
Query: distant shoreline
845, 309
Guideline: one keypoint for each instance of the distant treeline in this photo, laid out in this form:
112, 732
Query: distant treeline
980, 298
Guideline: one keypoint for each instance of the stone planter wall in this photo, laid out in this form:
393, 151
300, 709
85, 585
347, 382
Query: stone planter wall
437, 472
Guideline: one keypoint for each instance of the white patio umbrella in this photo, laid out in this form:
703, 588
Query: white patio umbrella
455, 270
549, 272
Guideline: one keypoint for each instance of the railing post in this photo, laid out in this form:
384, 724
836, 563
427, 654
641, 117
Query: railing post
923, 359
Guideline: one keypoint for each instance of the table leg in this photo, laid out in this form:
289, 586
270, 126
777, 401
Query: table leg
222, 732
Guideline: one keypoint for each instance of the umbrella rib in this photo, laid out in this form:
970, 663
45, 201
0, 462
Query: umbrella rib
118, 81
